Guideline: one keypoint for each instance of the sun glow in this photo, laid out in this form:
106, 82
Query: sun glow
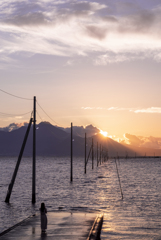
104, 133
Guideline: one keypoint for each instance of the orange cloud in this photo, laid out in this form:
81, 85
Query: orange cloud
133, 140
140, 141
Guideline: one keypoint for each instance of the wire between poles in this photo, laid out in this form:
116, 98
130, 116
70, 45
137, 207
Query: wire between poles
46, 113
10, 114
39, 115
15, 95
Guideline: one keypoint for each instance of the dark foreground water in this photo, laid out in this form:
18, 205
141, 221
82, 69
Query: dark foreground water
137, 216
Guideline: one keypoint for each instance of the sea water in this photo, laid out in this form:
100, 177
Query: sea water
137, 216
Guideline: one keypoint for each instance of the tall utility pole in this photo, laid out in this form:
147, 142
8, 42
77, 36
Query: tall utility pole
34, 154
71, 171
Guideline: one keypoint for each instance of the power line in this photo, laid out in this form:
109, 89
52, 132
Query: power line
74, 130
39, 115
10, 114
15, 95
46, 113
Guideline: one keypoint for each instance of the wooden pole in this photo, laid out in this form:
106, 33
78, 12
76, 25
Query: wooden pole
34, 155
97, 154
17, 164
92, 155
119, 179
71, 168
100, 154
89, 154
85, 154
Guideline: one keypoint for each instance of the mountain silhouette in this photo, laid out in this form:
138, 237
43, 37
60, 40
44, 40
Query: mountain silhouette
53, 141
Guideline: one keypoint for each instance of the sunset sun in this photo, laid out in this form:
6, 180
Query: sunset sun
104, 133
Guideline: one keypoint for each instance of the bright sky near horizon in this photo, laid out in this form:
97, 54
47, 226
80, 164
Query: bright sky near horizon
87, 62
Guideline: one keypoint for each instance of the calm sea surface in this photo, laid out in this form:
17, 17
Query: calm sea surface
137, 216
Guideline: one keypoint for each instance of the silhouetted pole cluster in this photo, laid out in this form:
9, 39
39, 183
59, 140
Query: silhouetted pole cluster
101, 155
91, 151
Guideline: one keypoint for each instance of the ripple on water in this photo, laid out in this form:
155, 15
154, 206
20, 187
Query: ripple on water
137, 216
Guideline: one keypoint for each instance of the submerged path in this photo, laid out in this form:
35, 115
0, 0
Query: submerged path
61, 225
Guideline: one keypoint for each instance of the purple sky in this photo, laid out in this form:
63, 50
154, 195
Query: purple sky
87, 62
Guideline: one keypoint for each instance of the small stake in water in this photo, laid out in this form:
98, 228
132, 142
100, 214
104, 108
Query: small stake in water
119, 179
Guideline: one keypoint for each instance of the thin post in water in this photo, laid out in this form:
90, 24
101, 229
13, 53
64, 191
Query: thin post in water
34, 154
71, 168
97, 154
92, 155
119, 179
100, 154
85, 157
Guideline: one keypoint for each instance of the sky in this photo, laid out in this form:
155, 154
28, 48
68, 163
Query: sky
87, 62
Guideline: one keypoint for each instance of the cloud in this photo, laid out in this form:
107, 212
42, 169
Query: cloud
28, 19
135, 110
149, 110
87, 6
133, 140
44, 12
152, 142
96, 32
80, 131
110, 58
140, 141
87, 108
92, 27
13, 126
108, 109
22, 13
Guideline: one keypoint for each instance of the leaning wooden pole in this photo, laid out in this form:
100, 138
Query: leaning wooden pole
71, 168
119, 179
34, 154
85, 157
17, 164
92, 155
